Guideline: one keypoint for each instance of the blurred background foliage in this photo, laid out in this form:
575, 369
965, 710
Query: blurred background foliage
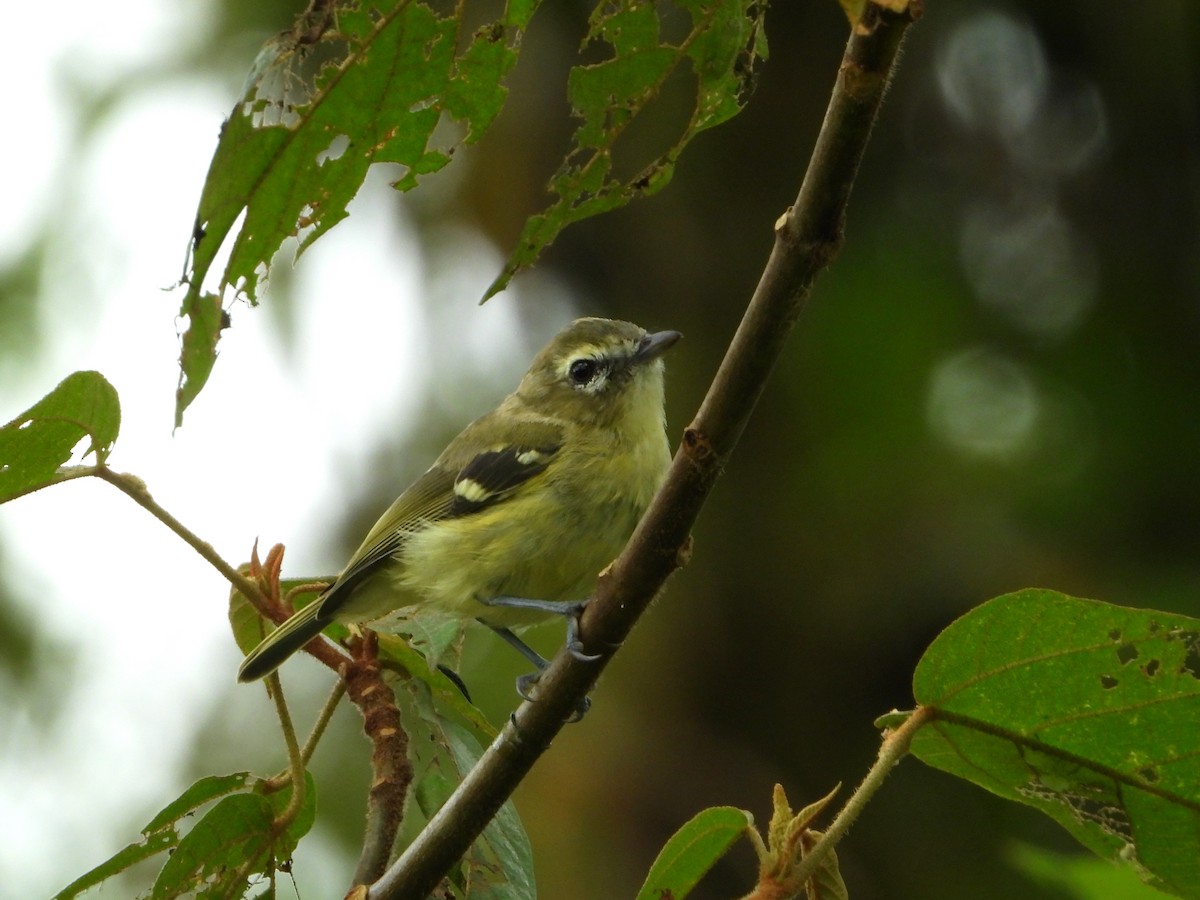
994, 386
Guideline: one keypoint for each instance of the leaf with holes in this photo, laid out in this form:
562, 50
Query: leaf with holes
367, 83
610, 164
163, 833
84, 407
1086, 711
235, 839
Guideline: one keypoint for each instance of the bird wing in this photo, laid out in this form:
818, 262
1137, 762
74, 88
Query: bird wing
472, 474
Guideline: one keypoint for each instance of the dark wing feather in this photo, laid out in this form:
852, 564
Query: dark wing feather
470, 475
494, 474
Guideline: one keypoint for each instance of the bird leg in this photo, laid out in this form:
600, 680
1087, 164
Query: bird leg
572, 612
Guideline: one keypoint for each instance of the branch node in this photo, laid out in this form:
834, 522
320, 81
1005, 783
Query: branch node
683, 555
698, 447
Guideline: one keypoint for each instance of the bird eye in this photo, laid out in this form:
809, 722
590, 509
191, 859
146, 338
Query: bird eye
582, 371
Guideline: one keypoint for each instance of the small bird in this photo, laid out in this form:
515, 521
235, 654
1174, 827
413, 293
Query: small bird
522, 510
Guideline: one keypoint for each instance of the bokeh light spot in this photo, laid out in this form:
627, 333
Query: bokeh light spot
1030, 266
993, 74
983, 404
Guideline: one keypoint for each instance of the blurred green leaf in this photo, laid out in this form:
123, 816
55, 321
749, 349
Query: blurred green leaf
1083, 877
206, 319
500, 862
44, 437
162, 833
724, 42
693, 850
322, 105
1087, 711
499, 865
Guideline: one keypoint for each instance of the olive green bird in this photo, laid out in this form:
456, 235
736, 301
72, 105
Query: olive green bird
523, 509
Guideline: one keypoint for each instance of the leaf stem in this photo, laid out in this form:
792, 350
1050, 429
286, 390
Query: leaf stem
335, 697
295, 802
894, 748
306, 752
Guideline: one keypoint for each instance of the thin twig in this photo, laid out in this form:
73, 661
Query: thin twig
807, 237
296, 776
135, 489
306, 752
335, 697
295, 759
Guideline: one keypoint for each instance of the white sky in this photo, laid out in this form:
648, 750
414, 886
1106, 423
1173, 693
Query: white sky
141, 614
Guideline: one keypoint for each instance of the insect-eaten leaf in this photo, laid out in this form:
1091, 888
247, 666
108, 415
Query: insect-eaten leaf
718, 55
321, 106
166, 831
1084, 710
84, 407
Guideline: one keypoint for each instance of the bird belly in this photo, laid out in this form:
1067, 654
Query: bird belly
457, 564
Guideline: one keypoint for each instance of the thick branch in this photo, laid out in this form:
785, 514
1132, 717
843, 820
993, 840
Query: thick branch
807, 237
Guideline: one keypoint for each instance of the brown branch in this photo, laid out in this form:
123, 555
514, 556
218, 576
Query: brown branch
807, 237
391, 771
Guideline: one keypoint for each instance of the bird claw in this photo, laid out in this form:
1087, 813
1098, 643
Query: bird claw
525, 685
574, 644
572, 612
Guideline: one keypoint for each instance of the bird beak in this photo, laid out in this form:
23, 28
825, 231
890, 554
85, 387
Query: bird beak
654, 345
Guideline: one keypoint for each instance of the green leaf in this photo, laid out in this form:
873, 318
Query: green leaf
1087, 711
206, 320
161, 833
324, 103
44, 437
206, 861
286, 843
234, 839
718, 54
499, 865
693, 850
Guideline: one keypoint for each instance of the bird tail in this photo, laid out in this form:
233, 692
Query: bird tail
281, 643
